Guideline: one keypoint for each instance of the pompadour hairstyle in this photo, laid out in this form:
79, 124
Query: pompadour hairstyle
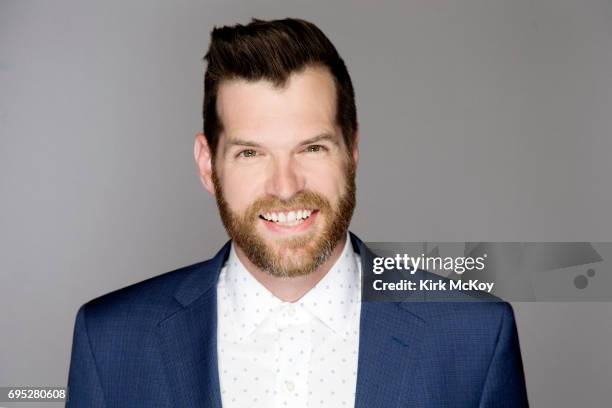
273, 50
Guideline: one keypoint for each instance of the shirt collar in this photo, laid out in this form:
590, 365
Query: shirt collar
335, 300
245, 300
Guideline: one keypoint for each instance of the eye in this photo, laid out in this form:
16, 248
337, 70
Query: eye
247, 153
315, 148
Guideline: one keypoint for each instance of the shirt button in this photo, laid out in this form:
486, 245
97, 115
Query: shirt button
291, 311
290, 385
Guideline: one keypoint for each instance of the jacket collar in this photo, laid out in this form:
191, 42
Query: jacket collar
203, 278
188, 337
390, 341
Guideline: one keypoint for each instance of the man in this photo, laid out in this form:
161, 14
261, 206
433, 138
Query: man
275, 319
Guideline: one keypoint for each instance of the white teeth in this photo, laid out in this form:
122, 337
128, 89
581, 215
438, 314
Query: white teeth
289, 218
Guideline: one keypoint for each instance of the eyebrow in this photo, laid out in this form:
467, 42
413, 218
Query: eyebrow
242, 142
320, 138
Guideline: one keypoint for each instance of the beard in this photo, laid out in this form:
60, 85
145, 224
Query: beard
294, 256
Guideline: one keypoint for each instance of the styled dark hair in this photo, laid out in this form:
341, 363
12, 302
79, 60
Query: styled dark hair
273, 50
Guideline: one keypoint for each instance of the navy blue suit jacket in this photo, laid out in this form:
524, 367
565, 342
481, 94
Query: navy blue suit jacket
153, 344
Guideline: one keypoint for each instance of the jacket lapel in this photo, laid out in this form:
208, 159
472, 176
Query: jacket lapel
389, 353
390, 339
188, 338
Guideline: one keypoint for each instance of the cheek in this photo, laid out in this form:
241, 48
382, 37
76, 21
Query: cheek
240, 190
329, 181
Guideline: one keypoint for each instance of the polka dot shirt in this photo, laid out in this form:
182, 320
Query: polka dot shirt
280, 354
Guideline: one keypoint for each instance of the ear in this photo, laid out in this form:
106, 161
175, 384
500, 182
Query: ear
355, 151
203, 159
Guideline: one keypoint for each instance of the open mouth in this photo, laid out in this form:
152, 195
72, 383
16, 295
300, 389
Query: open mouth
288, 218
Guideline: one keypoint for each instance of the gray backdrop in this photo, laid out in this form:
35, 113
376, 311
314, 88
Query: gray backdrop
480, 120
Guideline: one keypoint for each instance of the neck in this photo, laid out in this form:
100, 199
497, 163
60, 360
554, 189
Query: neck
291, 289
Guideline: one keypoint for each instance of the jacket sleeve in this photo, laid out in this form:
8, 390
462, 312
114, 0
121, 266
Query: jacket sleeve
505, 382
84, 386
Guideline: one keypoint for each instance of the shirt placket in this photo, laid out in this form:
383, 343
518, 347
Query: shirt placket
294, 349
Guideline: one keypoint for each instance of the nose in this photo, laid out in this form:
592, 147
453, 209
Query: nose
285, 179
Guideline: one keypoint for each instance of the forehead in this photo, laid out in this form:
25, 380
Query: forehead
305, 102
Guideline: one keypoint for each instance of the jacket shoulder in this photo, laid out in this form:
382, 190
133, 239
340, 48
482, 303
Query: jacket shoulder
142, 303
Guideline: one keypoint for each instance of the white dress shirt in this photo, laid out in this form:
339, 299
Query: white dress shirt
280, 354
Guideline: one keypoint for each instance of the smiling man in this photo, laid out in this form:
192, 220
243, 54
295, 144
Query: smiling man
283, 176
275, 319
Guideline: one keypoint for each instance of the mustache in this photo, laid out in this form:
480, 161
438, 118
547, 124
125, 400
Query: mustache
304, 199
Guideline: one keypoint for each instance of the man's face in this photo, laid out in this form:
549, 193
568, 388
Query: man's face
283, 178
